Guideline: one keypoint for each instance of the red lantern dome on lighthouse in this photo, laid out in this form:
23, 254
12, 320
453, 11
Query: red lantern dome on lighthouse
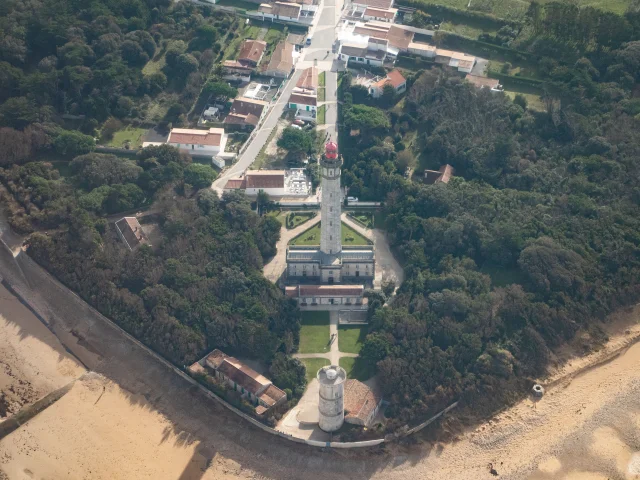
331, 151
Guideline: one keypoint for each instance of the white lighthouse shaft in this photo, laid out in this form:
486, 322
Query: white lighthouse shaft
331, 230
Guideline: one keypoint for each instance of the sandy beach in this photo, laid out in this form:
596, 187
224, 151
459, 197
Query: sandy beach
129, 417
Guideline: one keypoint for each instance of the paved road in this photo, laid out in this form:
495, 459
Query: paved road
323, 32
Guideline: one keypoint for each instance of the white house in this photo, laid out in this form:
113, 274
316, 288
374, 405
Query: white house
199, 142
301, 101
381, 4
380, 14
393, 78
358, 53
281, 63
280, 11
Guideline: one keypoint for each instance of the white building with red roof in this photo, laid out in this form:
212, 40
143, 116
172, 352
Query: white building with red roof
394, 79
211, 142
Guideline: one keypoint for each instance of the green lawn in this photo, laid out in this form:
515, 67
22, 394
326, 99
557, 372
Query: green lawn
314, 332
322, 110
356, 368
313, 365
295, 218
534, 102
351, 338
154, 66
322, 79
130, 135
312, 237
321, 92
465, 29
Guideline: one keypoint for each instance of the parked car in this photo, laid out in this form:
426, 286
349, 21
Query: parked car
296, 126
308, 42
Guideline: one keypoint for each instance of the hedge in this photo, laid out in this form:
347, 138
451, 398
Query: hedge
442, 10
532, 84
484, 49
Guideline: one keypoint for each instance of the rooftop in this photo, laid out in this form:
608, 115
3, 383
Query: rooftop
211, 137
439, 176
251, 51
324, 290
309, 79
272, 395
265, 178
381, 12
241, 119
394, 78
246, 106
300, 98
237, 372
360, 401
235, 64
131, 230
282, 58
384, 4
331, 375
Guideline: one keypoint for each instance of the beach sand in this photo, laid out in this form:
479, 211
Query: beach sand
135, 422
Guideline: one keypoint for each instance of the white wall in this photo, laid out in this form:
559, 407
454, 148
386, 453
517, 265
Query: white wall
271, 191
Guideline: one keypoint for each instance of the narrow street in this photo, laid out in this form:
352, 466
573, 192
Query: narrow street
323, 33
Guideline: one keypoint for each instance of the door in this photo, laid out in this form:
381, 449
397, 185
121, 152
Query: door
330, 279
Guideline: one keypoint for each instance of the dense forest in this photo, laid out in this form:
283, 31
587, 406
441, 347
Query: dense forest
90, 66
71, 70
533, 242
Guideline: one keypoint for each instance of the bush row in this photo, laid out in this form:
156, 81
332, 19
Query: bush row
451, 13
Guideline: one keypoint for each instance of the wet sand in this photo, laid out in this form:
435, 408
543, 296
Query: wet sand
136, 419
33, 363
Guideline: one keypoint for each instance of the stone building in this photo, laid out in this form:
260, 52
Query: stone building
331, 263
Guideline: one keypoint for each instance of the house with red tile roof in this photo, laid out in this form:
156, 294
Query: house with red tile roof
393, 78
209, 142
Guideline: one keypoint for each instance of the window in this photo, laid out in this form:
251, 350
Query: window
331, 223
330, 237
331, 209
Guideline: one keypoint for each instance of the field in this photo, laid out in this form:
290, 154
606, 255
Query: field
534, 102
465, 29
312, 237
154, 66
516, 9
322, 79
321, 94
351, 338
356, 368
129, 135
314, 332
313, 365
295, 218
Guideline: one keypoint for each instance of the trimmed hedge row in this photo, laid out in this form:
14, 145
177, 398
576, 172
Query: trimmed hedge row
526, 83
483, 49
455, 13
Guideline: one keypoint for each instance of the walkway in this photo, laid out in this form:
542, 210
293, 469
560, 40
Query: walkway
334, 354
274, 269
387, 267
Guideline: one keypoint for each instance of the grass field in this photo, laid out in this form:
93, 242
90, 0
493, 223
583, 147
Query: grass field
154, 66
322, 79
322, 110
131, 135
297, 219
516, 9
534, 102
321, 93
356, 368
312, 237
314, 332
464, 29
313, 365
351, 338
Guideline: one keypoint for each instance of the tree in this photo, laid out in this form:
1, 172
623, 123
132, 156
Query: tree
186, 64
199, 175
96, 169
288, 372
296, 140
405, 160
133, 54
73, 143
365, 118
220, 89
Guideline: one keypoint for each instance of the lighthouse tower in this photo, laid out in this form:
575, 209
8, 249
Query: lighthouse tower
331, 230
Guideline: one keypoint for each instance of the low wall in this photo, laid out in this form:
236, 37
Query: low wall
15, 271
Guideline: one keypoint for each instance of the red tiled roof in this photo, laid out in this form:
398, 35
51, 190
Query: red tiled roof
386, 4
308, 79
379, 12
251, 51
246, 106
443, 175
236, 183
211, 137
236, 65
360, 401
241, 119
260, 179
396, 78
215, 358
272, 395
132, 232
299, 98
282, 58
243, 375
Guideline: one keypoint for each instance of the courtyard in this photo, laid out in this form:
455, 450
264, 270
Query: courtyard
311, 237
